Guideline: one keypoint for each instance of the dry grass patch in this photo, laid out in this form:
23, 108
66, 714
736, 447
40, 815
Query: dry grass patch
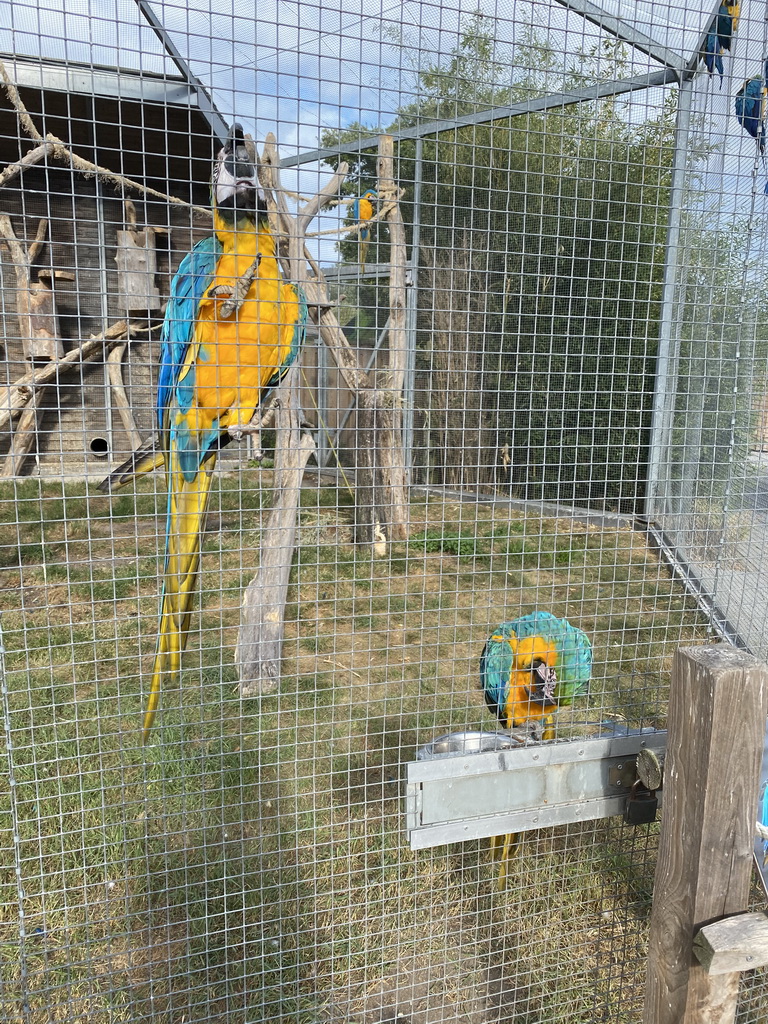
250, 863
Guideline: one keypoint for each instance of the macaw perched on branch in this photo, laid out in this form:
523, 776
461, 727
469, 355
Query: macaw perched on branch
363, 209
712, 55
750, 107
530, 668
232, 328
719, 38
725, 24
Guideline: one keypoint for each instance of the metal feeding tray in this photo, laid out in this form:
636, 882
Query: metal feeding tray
468, 741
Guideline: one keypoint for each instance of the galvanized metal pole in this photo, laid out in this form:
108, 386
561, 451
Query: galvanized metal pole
665, 383
538, 104
219, 126
101, 228
323, 426
412, 312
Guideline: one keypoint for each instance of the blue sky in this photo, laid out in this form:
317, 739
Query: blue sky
299, 67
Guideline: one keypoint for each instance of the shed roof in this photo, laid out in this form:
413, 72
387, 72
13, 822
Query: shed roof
148, 126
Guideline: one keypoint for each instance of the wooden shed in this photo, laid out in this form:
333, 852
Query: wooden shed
153, 129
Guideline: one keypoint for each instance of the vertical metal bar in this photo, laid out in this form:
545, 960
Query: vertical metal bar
104, 299
209, 111
323, 427
412, 311
18, 863
665, 384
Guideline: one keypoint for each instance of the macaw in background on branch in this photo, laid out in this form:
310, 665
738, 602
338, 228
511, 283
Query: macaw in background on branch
529, 669
750, 108
725, 24
232, 328
363, 209
719, 39
712, 55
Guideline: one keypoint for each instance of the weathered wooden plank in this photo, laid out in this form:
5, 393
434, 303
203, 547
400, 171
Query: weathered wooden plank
717, 713
738, 943
136, 260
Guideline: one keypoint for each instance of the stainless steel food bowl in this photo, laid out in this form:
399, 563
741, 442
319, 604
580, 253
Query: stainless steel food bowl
469, 741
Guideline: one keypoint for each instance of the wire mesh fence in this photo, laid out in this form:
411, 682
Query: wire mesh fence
530, 378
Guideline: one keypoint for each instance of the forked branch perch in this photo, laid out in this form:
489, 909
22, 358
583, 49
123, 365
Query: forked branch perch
260, 640
381, 504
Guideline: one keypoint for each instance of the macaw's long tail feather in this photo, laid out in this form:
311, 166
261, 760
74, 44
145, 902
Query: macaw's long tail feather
364, 240
187, 506
146, 458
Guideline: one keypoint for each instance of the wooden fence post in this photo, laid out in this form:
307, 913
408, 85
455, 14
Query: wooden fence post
716, 729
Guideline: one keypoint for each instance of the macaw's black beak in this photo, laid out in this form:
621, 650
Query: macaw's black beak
543, 683
235, 185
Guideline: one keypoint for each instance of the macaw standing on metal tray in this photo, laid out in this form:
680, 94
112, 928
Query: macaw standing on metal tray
529, 669
363, 209
232, 328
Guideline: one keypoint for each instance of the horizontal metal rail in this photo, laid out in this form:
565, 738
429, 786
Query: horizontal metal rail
457, 797
598, 91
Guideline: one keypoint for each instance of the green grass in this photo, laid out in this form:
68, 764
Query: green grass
249, 864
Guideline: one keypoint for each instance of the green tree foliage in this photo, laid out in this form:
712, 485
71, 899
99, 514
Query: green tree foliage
721, 365
542, 241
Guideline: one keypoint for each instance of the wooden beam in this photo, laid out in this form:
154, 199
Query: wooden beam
738, 943
717, 717
25, 435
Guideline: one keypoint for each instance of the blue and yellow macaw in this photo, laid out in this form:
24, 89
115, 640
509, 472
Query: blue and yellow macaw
530, 668
712, 54
363, 209
534, 665
719, 38
750, 105
725, 24
232, 328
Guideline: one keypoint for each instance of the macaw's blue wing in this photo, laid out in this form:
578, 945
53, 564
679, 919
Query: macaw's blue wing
193, 277
750, 109
496, 664
712, 56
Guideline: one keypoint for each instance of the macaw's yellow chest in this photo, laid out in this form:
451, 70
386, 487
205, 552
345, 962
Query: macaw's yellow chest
238, 354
